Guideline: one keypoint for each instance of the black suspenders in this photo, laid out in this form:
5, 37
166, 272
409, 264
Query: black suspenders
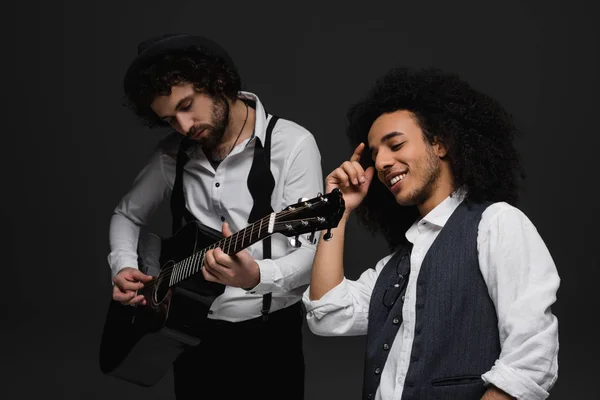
260, 184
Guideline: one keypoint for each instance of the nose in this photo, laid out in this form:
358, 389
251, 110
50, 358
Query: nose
184, 124
383, 160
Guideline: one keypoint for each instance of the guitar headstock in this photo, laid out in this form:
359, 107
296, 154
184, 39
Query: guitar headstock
319, 213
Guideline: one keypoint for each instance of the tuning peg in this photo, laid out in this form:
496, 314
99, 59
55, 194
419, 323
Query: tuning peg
297, 242
312, 239
328, 235
301, 199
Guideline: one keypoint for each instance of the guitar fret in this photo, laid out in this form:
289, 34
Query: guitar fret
259, 227
195, 262
183, 269
179, 269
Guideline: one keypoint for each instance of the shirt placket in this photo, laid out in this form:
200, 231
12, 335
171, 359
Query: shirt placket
408, 316
217, 191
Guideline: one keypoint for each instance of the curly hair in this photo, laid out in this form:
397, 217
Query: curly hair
207, 72
476, 130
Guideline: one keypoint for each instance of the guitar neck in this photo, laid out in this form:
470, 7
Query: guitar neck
253, 233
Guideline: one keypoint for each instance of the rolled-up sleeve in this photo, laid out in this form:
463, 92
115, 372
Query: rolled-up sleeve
522, 282
344, 310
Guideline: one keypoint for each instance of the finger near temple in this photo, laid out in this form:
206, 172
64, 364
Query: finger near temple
357, 152
353, 170
341, 176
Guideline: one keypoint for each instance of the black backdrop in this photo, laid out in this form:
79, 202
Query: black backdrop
71, 149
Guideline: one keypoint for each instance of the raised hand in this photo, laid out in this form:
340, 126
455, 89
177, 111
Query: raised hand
351, 179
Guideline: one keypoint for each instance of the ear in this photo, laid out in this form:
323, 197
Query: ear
439, 148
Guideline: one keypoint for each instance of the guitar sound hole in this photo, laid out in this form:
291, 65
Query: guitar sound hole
161, 290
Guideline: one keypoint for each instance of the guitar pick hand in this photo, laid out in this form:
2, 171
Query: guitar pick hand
238, 270
127, 282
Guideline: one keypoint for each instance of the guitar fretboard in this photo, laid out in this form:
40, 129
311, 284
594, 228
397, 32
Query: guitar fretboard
253, 233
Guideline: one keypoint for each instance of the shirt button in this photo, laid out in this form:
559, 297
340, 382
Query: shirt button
396, 321
222, 218
403, 297
217, 184
386, 346
377, 371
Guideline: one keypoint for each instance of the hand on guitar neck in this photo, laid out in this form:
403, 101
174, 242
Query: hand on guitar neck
238, 270
127, 282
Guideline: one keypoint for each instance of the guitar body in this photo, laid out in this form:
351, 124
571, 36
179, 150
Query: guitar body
140, 343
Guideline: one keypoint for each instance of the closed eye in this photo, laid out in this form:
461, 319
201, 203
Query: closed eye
398, 146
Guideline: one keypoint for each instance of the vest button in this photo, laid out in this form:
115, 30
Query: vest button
396, 321
370, 396
217, 184
386, 346
377, 371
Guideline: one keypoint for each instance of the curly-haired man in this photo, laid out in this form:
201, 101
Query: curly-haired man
226, 163
461, 307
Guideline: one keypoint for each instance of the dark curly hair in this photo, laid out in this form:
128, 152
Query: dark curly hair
208, 73
476, 130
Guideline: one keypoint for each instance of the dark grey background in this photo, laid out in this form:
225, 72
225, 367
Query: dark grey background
70, 150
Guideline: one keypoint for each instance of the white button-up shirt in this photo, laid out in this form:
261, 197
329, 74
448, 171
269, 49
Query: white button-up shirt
522, 282
214, 196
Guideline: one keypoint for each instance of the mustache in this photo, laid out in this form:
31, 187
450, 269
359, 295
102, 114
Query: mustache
196, 129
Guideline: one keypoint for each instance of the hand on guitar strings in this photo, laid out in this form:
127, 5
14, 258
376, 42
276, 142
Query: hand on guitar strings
238, 270
127, 282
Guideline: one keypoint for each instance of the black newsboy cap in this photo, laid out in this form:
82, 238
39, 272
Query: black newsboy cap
157, 46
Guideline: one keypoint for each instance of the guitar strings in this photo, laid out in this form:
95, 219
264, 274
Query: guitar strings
166, 273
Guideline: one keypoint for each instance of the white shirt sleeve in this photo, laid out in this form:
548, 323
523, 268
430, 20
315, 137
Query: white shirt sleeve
344, 310
522, 281
134, 211
303, 179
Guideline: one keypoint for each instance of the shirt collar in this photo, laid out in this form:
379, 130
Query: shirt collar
260, 124
438, 216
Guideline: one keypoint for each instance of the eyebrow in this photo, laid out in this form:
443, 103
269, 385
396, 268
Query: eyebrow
178, 105
388, 136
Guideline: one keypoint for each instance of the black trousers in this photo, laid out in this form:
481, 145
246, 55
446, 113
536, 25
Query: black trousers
245, 360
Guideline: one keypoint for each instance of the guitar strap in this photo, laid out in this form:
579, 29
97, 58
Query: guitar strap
260, 184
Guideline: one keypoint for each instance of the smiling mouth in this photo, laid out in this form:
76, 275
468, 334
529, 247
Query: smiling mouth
396, 179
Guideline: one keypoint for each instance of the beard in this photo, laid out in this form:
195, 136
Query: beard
216, 129
428, 170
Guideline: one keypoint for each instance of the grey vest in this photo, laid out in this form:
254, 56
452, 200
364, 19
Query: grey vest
456, 329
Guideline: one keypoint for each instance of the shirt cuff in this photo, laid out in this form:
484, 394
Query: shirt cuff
514, 383
268, 271
333, 300
120, 260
